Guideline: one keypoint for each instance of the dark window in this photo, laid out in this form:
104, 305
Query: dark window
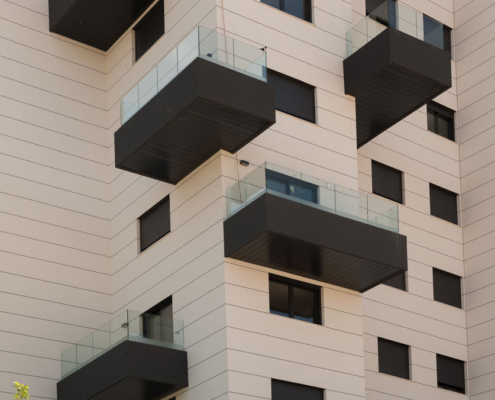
387, 181
441, 120
297, 8
450, 374
154, 223
443, 203
291, 186
295, 299
398, 281
291, 391
149, 29
158, 322
447, 288
393, 358
293, 97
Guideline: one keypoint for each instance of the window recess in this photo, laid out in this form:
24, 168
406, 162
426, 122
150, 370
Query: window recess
393, 358
154, 223
293, 97
441, 120
297, 8
387, 181
293, 299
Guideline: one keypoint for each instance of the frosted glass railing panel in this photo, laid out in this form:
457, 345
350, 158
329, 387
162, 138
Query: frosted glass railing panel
188, 50
201, 42
313, 192
167, 69
129, 104
399, 17
129, 325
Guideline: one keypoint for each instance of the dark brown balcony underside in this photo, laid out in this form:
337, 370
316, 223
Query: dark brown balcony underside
97, 23
302, 240
391, 77
129, 371
206, 108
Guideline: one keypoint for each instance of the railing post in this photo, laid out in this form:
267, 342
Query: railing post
199, 43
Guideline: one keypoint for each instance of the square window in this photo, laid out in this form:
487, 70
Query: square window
294, 299
387, 181
447, 288
443, 203
149, 29
450, 374
293, 96
154, 223
297, 8
282, 390
441, 120
393, 358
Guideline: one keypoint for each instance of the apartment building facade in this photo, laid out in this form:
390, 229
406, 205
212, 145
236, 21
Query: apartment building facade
247, 199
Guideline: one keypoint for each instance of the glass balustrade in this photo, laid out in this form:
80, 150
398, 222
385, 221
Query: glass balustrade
398, 16
313, 192
201, 42
129, 325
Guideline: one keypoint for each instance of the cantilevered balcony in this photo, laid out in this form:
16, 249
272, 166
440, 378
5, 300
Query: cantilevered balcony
288, 221
97, 23
397, 62
133, 357
208, 94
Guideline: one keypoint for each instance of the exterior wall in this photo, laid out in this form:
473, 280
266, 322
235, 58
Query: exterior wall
413, 317
69, 242
475, 130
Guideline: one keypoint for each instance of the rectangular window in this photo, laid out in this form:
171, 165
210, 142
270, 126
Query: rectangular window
447, 288
387, 181
398, 281
149, 29
443, 203
297, 8
282, 390
291, 187
441, 120
393, 358
293, 97
450, 374
158, 321
154, 223
294, 299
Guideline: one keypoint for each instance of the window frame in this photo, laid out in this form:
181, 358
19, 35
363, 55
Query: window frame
308, 9
381, 361
439, 188
446, 386
156, 310
303, 85
159, 8
141, 248
438, 109
291, 283
295, 390
440, 272
395, 170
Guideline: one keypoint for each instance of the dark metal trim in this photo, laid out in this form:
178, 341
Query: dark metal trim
129, 371
264, 231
